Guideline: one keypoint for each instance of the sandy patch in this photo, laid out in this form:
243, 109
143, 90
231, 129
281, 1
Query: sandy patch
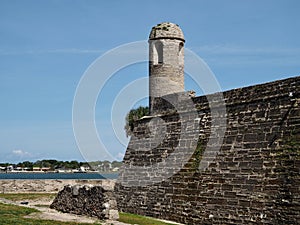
46, 213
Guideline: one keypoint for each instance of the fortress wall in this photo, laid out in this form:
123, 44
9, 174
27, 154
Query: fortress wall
254, 177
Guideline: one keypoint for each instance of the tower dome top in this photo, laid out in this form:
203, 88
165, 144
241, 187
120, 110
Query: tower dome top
166, 30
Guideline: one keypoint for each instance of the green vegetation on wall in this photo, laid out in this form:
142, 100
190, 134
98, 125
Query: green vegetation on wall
134, 115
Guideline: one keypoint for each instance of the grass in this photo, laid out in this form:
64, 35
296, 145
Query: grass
13, 214
26, 196
141, 220
41, 205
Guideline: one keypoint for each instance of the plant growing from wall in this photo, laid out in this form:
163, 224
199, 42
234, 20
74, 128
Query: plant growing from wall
290, 144
133, 116
197, 156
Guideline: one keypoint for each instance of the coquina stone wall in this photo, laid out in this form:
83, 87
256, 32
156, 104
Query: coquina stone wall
252, 179
90, 200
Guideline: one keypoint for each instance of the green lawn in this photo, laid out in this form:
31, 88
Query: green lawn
141, 220
26, 196
14, 215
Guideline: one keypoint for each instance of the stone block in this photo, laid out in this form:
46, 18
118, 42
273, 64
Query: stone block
94, 201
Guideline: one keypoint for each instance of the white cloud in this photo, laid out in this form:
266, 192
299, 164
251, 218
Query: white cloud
247, 56
53, 51
245, 50
120, 155
20, 153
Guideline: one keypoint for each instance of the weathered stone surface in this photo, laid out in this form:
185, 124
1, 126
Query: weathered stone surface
255, 177
95, 201
166, 62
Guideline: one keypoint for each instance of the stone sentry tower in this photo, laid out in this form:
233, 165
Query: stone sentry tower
166, 62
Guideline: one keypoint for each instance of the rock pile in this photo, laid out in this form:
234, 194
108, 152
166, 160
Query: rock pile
95, 201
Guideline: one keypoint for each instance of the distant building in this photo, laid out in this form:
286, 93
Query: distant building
40, 169
36, 169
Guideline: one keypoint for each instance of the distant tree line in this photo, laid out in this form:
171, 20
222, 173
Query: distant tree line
56, 164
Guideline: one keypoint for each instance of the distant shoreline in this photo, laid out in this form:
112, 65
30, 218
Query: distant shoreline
46, 185
1, 172
57, 176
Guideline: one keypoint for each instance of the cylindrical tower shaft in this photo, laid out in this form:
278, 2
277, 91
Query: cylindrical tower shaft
166, 61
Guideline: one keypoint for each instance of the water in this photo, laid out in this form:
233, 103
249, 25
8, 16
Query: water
58, 176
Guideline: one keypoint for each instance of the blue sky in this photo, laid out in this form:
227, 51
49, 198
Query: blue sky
46, 46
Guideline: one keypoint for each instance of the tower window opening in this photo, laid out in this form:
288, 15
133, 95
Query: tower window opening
180, 48
159, 52
180, 54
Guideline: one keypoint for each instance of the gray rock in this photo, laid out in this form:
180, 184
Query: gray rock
89, 200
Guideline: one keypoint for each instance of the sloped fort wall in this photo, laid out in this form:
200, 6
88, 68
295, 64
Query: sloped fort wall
254, 178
